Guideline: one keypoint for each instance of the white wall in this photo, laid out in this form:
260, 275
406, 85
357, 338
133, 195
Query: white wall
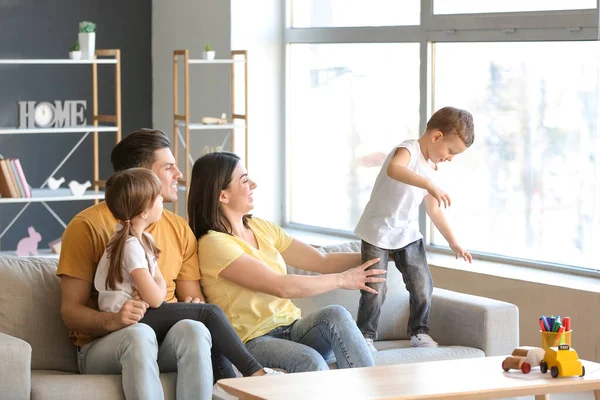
551, 296
257, 26
190, 24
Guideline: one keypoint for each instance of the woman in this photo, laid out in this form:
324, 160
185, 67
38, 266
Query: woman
243, 264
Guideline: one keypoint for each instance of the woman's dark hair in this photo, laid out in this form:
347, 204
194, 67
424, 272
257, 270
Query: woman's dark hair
129, 193
212, 173
137, 149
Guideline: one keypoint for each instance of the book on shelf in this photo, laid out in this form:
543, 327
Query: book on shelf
5, 187
21, 175
12, 179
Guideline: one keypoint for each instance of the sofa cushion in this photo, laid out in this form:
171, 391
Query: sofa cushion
55, 385
399, 352
30, 310
390, 352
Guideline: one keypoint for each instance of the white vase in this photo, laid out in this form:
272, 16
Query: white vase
87, 43
75, 55
208, 55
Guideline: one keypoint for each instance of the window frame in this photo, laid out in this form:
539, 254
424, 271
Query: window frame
530, 26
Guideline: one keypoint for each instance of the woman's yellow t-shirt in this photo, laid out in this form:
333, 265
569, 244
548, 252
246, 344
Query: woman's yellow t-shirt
251, 313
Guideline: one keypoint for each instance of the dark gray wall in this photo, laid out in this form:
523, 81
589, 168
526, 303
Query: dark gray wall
46, 29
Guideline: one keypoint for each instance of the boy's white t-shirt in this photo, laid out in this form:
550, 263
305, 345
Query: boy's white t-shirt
134, 257
391, 217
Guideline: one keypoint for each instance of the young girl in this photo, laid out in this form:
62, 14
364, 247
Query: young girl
128, 269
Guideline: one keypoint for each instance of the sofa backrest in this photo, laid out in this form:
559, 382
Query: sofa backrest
394, 314
30, 310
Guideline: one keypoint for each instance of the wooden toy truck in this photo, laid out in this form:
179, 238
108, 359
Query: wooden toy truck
524, 358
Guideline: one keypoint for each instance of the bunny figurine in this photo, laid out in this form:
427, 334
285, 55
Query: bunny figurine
28, 246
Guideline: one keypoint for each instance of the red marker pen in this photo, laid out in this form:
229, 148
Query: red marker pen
567, 323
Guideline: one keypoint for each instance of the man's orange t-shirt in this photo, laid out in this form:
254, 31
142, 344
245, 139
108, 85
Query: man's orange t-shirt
87, 235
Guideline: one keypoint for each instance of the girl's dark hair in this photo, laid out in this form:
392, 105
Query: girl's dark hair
212, 173
129, 193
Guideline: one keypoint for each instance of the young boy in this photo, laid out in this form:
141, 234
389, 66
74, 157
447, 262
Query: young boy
389, 224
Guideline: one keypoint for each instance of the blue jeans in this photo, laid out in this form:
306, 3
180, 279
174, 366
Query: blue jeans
306, 344
134, 352
411, 261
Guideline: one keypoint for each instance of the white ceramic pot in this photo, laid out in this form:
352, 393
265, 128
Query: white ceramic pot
87, 44
75, 55
208, 55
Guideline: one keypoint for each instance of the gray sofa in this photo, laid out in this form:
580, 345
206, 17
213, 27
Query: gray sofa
39, 362
465, 326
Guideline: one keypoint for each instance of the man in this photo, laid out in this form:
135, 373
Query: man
113, 343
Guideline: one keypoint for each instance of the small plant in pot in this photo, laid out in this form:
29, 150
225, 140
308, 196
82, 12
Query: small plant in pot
87, 39
208, 53
75, 52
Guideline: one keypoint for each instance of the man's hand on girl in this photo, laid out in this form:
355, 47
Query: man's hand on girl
130, 313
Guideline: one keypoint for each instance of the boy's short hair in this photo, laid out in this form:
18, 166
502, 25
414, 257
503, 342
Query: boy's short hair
453, 121
137, 149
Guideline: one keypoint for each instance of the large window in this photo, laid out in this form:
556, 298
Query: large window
482, 6
349, 105
528, 188
338, 13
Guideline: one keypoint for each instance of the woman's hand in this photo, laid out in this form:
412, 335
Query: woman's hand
358, 277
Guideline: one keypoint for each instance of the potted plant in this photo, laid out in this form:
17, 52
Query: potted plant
87, 39
208, 53
75, 52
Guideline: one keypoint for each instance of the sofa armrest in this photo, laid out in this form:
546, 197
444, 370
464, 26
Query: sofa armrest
15, 368
474, 321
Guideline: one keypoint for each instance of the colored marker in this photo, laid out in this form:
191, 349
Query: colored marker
556, 326
567, 323
558, 335
542, 327
546, 324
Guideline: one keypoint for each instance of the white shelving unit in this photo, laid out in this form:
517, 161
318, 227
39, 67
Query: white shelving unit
181, 121
48, 61
45, 195
78, 129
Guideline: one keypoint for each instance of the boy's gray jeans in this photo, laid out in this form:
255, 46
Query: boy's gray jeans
411, 261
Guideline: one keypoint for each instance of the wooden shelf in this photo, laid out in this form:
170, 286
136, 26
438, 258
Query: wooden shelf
74, 129
201, 126
57, 61
220, 61
181, 129
47, 195
106, 123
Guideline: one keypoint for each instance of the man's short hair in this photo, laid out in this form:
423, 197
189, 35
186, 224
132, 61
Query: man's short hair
137, 149
453, 121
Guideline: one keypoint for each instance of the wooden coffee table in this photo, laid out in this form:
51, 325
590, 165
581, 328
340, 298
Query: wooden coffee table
474, 378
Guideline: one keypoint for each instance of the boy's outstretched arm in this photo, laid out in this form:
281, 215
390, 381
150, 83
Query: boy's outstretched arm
439, 219
397, 170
